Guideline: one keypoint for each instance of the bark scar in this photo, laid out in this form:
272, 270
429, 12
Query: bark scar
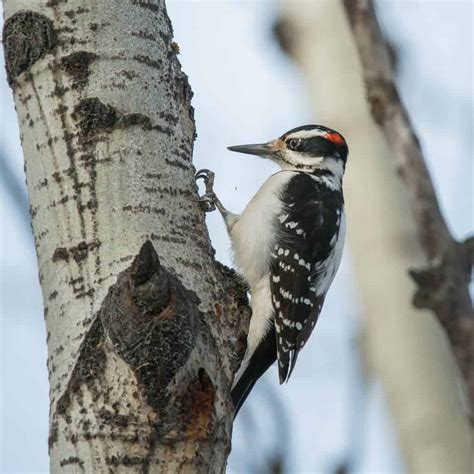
93, 117
152, 321
27, 36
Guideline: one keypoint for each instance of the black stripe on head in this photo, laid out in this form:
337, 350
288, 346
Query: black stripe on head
318, 145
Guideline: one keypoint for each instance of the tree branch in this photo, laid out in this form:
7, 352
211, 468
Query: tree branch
443, 286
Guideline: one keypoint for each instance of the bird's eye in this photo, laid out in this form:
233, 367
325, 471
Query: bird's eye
294, 143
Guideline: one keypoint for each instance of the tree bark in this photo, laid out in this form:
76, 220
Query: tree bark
144, 327
402, 346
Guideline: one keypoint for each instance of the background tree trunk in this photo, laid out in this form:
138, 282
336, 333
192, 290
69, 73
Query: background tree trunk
443, 285
404, 347
144, 326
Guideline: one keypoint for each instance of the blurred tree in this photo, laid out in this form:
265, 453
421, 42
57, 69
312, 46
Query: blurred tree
403, 346
443, 285
141, 355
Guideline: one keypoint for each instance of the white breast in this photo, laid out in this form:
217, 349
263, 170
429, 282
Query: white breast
254, 234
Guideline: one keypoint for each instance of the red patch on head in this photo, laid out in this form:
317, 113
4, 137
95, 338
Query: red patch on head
335, 138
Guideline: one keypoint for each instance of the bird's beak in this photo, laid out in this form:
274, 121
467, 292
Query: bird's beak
260, 149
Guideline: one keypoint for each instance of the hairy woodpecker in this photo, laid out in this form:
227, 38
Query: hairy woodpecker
287, 244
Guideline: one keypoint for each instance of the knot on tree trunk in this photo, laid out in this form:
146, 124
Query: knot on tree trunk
285, 33
152, 321
27, 36
439, 283
443, 287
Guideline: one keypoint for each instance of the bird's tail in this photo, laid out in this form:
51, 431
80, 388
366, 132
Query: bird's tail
252, 369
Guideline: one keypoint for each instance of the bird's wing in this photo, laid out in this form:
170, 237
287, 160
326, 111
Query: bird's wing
308, 228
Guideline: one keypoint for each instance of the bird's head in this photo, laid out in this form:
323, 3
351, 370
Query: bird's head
306, 148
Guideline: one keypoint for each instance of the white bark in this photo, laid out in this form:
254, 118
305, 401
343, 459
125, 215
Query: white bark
404, 347
107, 133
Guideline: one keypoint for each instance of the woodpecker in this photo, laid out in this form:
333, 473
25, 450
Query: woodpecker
287, 244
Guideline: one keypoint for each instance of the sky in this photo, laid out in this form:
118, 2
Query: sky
328, 411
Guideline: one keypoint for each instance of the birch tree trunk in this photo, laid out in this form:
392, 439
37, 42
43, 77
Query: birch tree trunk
404, 347
144, 327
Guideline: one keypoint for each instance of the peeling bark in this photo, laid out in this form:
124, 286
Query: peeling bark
144, 327
443, 285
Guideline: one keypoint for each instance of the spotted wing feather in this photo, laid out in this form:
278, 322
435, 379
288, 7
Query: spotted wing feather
306, 227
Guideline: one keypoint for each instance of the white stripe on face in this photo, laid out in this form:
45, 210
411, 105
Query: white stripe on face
314, 132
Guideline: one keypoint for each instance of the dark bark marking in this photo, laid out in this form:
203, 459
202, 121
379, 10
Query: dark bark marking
124, 460
168, 190
41, 184
54, 3
144, 209
152, 322
84, 294
153, 63
144, 267
71, 460
167, 238
149, 5
156, 176
65, 29
77, 65
129, 74
236, 289
113, 418
184, 93
143, 35
72, 13
27, 36
77, 252
53, 435
170, 118
177, 164
87, 370
94, 117
53, 295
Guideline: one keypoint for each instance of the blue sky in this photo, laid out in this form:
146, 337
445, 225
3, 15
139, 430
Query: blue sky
238, 75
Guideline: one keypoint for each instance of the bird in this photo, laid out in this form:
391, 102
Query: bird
287, 245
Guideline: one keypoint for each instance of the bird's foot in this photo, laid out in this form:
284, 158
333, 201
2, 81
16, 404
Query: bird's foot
208, 199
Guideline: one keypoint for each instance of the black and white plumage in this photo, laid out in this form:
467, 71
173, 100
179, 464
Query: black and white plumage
304, 261
287, 244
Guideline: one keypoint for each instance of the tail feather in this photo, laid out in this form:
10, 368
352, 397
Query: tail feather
262, 358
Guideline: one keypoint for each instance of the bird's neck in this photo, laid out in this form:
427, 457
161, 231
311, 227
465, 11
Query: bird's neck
328, 171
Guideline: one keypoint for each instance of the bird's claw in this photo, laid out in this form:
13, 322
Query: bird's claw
207, 200
208, 177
